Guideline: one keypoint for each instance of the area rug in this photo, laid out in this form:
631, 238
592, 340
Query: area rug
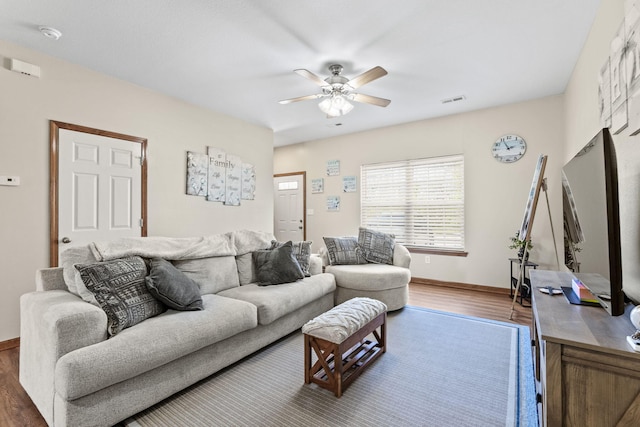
440, 369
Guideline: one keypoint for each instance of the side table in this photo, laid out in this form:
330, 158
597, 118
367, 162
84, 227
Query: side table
525, 289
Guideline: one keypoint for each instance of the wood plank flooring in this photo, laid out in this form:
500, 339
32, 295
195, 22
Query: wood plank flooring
17, 410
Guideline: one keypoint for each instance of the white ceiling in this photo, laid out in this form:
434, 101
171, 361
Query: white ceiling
237, 56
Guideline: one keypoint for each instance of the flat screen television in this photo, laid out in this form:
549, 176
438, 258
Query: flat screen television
592, 221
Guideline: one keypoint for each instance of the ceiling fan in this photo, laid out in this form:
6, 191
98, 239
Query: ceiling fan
337, 90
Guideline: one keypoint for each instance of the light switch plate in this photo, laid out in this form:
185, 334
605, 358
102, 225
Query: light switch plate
10, 180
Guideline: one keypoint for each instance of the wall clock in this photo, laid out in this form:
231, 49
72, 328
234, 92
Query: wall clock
508, 148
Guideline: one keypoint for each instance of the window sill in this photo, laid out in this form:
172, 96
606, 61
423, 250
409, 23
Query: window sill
417, 250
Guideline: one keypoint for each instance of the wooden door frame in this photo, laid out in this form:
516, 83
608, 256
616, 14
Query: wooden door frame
54, 142
304, 198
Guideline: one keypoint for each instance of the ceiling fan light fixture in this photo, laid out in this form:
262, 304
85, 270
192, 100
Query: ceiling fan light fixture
335, 106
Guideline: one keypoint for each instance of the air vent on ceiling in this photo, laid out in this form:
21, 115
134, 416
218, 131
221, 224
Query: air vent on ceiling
454, 99
24, 68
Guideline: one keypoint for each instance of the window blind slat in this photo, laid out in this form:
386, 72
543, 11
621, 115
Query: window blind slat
420, 201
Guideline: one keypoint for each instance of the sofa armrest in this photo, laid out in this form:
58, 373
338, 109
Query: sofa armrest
401, 256
315, 264
52, 324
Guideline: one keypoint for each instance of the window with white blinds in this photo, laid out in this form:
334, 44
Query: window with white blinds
420, 201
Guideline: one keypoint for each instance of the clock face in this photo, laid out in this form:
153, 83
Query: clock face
508, 148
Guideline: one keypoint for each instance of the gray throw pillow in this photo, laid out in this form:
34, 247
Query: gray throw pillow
301, 251
344, 251
376, 246
277, 266
172, 287
119, 287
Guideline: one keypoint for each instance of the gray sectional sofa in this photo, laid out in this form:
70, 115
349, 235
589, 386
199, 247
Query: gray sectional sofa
78, 376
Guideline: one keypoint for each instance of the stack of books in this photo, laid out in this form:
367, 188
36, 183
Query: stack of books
581, 291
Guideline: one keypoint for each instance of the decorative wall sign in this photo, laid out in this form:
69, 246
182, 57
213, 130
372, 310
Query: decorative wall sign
333, 203
619, 79
233, 184
248, 181
217, 174
333, 167
221, 177
317, 185
632, 56
619, 114
604, 94
197, 173
349, 184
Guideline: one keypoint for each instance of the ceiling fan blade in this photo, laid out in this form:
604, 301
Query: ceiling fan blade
368, 99
367, 77
311, 76
300, 98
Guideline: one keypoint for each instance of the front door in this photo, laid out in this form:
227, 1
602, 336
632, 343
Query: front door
289, 206
100, 187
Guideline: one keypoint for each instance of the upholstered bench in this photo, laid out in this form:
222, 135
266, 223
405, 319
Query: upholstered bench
345, 341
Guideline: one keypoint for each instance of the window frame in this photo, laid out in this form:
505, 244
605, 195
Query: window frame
435, 210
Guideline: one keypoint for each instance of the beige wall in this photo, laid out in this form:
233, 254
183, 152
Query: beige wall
72, 94
495, 193
583, 122
581, 96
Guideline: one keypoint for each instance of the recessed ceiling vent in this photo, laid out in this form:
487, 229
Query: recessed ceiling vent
454, 99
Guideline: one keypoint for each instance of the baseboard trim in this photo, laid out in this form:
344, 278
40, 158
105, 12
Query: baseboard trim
458, 285
8, 344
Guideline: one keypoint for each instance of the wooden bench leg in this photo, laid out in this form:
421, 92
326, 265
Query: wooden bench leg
307, 359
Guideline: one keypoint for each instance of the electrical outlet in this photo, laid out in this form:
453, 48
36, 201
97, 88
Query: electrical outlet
427, 259
10, 180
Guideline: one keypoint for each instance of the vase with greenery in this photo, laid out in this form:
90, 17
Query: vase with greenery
517, 243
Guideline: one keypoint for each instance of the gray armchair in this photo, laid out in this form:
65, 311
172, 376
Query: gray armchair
384, 282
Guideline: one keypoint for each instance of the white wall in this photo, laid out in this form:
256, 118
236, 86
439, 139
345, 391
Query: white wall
72, 94
495, 193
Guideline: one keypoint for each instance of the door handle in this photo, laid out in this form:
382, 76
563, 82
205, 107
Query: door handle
66, 240
299, 228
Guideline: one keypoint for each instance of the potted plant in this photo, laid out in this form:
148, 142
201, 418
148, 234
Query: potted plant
518, 244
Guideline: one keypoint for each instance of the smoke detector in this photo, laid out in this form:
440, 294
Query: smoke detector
50, 32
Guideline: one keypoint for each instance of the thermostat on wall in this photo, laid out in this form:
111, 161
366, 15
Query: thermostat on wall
10, 180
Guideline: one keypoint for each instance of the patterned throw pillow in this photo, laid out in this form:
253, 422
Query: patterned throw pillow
344, 250
377, 247
277, 266
120, 289
172, 287
301, 251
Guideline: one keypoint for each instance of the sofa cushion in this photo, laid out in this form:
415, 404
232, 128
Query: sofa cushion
246, 272
150, 344
370, 277
344, 250
213, 274
247, 241
68, 260
277, 266
274, 302
301, 251
119, 287
172, 287
377, 247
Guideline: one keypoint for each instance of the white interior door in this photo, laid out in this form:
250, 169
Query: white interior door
289, 207
99, 188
